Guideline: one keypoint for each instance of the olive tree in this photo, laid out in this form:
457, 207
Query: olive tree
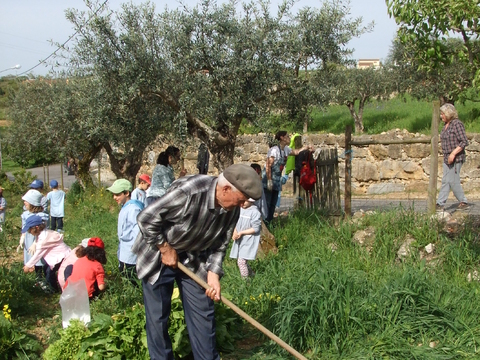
448, 83
202, 71
354, 87
51, 121
425, 27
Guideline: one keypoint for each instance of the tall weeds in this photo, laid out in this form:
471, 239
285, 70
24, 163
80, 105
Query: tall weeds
341, 300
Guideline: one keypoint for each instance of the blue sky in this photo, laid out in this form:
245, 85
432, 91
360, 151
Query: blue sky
26, 26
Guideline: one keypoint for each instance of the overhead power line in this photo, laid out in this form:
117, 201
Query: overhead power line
21, 48
23, 37
62, 45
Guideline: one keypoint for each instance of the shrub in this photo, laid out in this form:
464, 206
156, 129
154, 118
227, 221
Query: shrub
15, 344
123, 335
14, 285
22, 179
75, 193
69, 344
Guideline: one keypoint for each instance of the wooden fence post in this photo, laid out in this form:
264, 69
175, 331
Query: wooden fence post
432, 185
61, 176
348, 171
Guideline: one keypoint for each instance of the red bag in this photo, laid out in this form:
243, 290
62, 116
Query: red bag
307, 177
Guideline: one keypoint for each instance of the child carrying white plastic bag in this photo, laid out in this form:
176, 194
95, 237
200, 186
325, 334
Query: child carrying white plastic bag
246, 237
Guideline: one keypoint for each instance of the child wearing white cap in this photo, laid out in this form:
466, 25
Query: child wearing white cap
246, 237
38, 185
33, 206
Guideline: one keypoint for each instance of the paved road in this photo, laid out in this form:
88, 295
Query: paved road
54, 172
419, 205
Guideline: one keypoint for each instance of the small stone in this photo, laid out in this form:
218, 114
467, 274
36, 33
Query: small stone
405, 249
332, 246
430, 248
473, 276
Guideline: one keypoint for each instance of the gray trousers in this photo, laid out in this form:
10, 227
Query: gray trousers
451, 181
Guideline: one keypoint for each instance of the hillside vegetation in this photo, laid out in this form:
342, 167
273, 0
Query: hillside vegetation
323, 293
379, 116
399, 112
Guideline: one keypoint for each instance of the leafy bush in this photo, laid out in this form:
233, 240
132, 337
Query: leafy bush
69, 344
14, 290
15, 344
124, 336
75, 193
120, 335
3, 177
22, 179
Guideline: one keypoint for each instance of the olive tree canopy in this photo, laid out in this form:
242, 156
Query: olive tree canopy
201, 71
135, 74
425, 27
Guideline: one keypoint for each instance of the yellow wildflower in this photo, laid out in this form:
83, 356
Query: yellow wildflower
7, 312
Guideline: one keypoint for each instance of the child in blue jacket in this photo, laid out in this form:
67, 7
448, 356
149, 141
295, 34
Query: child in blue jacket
127, 228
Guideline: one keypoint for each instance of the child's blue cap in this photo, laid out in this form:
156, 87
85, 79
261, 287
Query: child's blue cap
53, 183
36, 184
31, 221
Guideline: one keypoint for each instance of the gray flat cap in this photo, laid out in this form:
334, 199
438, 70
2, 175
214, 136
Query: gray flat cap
245, 179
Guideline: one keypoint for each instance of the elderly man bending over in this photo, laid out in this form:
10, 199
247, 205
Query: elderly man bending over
192, 223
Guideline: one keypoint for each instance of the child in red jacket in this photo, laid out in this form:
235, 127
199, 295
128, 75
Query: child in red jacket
89, 266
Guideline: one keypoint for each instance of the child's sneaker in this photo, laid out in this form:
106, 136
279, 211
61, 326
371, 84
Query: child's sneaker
46, 288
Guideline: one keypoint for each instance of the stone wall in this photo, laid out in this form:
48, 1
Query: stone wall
376, 169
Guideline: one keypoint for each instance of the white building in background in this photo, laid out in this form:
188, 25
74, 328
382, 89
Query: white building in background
366, 63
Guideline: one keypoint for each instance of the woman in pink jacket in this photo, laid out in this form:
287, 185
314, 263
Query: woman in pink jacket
49, 247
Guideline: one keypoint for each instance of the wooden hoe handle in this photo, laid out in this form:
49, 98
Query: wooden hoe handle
243, 314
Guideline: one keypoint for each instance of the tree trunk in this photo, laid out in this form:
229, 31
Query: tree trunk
222, 155
124, 167
83, 171
357, 120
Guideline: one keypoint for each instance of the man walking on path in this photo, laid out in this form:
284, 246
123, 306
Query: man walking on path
192, 223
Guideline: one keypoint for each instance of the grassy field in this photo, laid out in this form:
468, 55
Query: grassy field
379, 116
322, 293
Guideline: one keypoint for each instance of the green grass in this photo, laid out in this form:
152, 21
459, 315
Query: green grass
349, 303
10, 166
379, 116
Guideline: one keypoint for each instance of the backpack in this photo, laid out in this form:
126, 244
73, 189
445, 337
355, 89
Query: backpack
308, 178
